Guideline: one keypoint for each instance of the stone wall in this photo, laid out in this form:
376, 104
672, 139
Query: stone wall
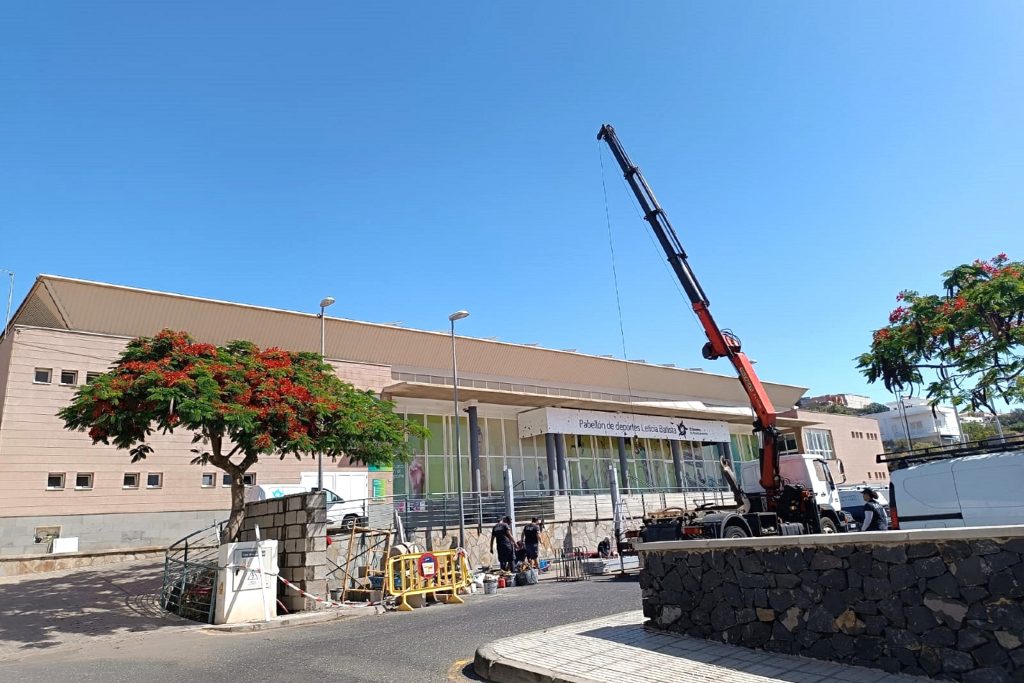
946, 603
299, 525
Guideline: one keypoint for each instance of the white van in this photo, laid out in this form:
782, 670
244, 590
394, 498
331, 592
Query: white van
975, 490
340, 513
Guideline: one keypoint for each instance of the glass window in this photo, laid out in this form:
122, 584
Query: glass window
819, 442
69, 377
208, 480
435, 442
55, 481
83, 480
249, 478
130, 481
92, 376
43, 375
494, 443
154, 480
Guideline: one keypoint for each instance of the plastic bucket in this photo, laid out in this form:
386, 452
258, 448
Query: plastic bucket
490, 587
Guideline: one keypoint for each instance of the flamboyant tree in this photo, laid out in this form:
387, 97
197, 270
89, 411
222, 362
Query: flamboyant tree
240, 403
965, 346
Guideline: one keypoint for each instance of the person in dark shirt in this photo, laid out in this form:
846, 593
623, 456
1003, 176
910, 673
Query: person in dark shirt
874, 513
520, 554
502, 535
604, 548
531, 541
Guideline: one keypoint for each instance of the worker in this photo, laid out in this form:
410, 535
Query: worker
874, 513
502, 535
604, 548
531, 541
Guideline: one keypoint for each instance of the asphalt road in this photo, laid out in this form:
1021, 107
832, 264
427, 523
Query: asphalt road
400, 647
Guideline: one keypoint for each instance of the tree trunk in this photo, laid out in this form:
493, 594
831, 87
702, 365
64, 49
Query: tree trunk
237, 508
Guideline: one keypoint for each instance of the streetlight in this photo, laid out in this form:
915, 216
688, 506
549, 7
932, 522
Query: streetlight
458, 315
324, 303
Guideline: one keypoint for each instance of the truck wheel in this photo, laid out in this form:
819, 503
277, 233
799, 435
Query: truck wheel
734, 531
828, 526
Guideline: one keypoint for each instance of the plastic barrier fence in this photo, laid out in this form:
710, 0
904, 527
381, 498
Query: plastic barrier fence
441, 574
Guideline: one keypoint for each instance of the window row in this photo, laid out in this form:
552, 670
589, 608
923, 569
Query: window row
68, 378
877, 475
861, 435
55, 481
649, 461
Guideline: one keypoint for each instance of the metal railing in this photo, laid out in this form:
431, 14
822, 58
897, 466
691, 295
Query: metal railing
569, 564
189, 586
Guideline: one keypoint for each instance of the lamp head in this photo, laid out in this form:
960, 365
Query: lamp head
326, 301
458, 315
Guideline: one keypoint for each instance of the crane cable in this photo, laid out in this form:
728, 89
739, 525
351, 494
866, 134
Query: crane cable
615, 276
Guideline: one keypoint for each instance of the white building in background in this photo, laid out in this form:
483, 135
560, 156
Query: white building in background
854, 401
925, 424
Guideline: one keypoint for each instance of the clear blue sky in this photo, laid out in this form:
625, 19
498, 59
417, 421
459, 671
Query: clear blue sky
411, 159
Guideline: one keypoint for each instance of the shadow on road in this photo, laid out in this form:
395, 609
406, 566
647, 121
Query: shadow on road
38, 613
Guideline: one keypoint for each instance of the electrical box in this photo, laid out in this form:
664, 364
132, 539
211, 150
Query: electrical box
246, 582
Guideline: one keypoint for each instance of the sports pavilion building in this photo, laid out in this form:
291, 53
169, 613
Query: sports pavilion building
557, 418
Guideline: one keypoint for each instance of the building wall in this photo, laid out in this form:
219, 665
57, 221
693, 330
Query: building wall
34, 443
856, 442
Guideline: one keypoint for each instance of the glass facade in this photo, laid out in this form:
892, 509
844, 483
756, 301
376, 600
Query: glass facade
432, 469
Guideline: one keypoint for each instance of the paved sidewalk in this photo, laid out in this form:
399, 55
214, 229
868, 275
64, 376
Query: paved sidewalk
618, 648
79, 607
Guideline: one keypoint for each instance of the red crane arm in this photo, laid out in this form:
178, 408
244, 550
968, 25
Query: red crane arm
721, 343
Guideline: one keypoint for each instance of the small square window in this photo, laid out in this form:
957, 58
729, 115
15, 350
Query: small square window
55, 481
248, 479
209, 479
83, 481
131, 480
69, 378
90, 376
154, 480
43, 375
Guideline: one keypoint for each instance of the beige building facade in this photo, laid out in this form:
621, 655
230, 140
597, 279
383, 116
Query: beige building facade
56, 481
855, 441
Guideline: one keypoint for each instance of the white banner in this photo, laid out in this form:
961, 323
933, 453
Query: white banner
592, 422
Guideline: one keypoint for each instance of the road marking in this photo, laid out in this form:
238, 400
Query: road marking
455, 671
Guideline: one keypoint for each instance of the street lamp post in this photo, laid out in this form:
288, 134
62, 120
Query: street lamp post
324, 303
458, 315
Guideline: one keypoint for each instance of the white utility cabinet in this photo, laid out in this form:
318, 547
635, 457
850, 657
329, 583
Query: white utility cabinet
246, 582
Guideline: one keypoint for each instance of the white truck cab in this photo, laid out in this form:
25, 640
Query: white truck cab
810, 471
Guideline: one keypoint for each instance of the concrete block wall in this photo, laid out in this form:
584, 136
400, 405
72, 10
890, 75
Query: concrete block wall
945, 603
299, 525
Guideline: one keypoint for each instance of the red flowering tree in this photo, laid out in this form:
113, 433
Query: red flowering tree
240, 403
965, 346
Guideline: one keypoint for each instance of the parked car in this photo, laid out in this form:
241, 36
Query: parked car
341, 514
852, 501
973, 490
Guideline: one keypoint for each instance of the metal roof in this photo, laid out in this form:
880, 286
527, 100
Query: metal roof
81, 305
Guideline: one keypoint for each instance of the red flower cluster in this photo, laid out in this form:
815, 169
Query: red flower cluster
897, 314
881, 335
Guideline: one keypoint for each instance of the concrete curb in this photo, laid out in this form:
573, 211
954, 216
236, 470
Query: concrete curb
492, 667
285, 622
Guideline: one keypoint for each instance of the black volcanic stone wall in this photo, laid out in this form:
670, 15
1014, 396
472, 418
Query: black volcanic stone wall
951, 609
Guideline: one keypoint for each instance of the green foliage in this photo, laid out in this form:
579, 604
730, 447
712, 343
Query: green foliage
971, 338
873, 408
974, 431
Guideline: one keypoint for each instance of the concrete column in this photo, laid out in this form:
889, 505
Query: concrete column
549, 445
623, 464
677, 463
563, 464
474, 449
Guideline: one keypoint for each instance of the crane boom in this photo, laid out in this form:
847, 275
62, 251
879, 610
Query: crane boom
721, 343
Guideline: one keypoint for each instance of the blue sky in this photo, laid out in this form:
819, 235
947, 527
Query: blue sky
411, 159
